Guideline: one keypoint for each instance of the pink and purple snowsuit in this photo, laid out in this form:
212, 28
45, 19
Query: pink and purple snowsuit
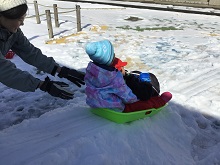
107, 89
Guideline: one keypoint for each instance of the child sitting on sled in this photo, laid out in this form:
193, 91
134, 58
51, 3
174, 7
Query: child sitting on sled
105, 84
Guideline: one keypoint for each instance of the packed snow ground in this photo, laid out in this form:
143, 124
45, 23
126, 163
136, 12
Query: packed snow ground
181, 49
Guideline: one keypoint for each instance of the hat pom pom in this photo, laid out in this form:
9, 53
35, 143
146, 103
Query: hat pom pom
91, 48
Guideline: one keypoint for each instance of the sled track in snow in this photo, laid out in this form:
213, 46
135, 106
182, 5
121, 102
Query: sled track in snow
202, 83
50, 142
67, 142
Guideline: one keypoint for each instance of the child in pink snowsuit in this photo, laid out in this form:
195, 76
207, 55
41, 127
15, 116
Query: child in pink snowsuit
105, 84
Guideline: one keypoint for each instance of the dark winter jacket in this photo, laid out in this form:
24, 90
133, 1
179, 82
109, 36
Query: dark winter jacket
143, 90
14, 77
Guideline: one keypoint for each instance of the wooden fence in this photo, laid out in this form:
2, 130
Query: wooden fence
78, 14
56, 16
56, 13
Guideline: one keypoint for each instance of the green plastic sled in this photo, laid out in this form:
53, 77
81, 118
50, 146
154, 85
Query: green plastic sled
120, 118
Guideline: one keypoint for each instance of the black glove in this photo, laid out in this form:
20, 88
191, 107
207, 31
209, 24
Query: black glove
73, 75
55, 88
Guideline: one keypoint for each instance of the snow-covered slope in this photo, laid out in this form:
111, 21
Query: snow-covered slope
181, 49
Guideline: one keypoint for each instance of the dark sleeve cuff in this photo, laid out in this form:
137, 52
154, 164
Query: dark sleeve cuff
54, 70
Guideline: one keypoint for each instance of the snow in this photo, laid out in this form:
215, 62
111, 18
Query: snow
36, 128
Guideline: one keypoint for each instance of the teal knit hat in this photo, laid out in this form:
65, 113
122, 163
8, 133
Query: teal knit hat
101, 52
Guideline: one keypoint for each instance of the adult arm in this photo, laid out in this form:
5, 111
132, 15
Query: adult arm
23, 81
16, 78
33, 55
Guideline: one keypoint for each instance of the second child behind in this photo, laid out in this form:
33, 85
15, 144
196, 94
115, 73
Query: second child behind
105, 85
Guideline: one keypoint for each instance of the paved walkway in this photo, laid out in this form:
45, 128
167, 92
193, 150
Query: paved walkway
149, 6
